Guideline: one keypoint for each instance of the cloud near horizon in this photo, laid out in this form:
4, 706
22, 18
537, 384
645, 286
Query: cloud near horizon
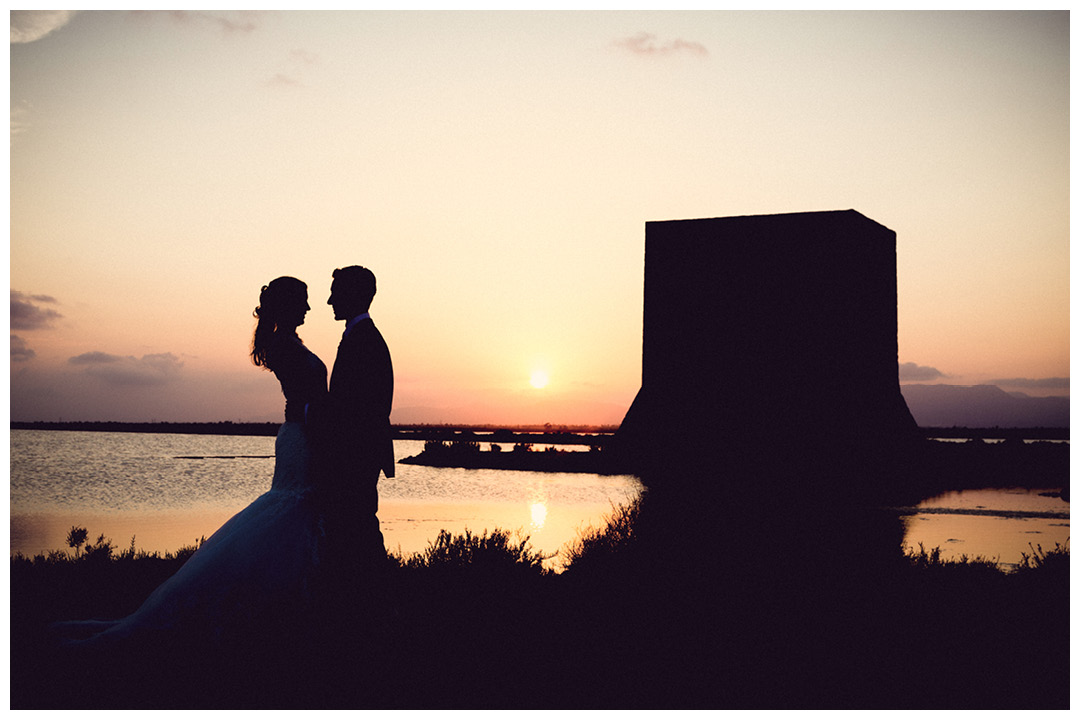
912, 372
647, 45
26, 313
20, 351
28, 26
153, 369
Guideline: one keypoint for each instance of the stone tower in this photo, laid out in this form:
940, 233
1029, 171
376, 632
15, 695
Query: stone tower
767, 332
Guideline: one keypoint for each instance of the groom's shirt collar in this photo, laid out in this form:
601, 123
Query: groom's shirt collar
349, 325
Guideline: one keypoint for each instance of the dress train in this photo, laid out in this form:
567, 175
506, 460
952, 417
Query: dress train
260, 564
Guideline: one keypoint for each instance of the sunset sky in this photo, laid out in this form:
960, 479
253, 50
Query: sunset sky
496, 171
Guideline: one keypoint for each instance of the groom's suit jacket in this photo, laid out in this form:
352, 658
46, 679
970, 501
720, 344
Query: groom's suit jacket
358, 407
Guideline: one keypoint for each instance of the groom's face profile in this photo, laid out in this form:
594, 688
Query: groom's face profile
336, 300
344, 300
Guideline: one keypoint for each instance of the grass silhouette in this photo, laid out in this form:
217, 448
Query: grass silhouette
476, 621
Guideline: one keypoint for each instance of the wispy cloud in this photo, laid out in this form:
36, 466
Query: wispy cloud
283, 80
299, 62
649, 45
228, 22
18, 120
26, 313
154, 369
20, 351
304, 56
911, 372
30, 25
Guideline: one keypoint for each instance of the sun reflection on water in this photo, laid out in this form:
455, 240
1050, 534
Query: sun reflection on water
538, 511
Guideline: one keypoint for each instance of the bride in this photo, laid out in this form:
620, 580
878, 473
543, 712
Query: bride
263, 560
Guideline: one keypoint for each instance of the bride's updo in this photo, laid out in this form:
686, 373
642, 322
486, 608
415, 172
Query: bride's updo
279, 301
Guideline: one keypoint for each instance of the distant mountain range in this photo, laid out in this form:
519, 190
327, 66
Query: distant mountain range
983, 406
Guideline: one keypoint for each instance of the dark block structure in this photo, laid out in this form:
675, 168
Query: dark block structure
767, 334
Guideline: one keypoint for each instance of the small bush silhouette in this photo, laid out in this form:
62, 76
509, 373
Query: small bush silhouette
99, 551
76, 537
603, 544
494, 550
1055, 562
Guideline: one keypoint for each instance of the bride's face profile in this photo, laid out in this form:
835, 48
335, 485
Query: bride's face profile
293, 314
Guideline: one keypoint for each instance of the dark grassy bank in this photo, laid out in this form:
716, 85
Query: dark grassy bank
641, 619
973, 464
936, 466
521, 456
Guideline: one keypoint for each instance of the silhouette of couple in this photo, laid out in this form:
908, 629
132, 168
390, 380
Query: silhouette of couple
315, 532
348, 426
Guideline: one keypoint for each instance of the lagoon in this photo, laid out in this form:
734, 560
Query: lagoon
169, 490
994, 524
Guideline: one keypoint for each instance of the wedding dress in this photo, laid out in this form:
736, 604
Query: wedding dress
263, 559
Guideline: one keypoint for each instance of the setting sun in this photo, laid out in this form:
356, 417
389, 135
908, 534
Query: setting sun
538, 379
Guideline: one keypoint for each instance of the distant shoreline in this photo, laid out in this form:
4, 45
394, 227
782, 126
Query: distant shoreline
553, 434
550, 433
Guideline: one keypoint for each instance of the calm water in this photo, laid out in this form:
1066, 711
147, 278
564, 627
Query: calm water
993, 524
170, 490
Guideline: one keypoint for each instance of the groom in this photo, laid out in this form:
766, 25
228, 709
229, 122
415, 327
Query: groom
357, 443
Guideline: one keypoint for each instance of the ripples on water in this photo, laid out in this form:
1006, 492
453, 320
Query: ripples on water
130, 472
